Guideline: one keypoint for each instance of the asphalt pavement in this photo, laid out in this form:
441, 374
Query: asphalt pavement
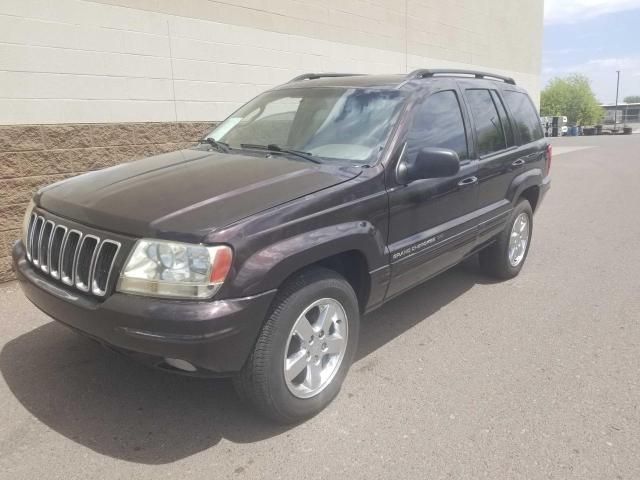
534, 378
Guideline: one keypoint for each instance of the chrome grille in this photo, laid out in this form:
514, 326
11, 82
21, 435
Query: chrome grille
79, 260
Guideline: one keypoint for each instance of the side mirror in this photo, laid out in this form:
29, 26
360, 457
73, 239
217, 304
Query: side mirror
431, 162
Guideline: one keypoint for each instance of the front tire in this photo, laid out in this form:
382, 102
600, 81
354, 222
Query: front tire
305, 348
505, 257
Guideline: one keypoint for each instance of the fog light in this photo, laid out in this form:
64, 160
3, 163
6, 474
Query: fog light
180, 364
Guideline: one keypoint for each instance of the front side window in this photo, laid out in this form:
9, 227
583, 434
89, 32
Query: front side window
438, 122
489, 130
526, 118
333, 123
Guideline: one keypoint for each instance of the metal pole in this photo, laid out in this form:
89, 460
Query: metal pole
615, 112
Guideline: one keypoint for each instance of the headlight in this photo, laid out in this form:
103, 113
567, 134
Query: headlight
26, 221
172, 269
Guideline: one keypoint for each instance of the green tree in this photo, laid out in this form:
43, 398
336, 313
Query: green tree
632, 99
571, 97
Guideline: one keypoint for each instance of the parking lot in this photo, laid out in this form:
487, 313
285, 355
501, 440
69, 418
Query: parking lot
537, 377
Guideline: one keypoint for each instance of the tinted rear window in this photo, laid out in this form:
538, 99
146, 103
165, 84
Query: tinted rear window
488, 125
525, 117
506, 124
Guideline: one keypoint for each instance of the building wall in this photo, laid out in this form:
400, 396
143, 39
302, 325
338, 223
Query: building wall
32, 156
116, 65
626, 113
73, 61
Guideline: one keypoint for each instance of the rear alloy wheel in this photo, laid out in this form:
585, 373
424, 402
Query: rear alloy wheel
505, 257
305, 348
519, 239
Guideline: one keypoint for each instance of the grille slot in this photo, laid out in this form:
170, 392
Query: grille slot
105, 259
29, 232
84, 261
35, 241
75, 258
45, 238
69, 250
55, 249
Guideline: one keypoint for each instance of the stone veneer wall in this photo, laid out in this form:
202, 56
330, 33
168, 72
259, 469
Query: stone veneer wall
32, 156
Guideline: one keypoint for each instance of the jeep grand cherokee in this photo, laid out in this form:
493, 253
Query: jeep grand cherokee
254, 254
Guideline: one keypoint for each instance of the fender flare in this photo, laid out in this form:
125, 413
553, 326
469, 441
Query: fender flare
269, 267
530, 178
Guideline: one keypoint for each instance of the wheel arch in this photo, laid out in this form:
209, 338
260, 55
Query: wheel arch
353, 266
352, 250
532, 194
527, 185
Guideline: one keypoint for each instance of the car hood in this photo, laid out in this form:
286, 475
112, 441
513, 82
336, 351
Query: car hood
188, 193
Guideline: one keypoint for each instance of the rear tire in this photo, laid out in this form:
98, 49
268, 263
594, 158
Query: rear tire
297, 368
504, 258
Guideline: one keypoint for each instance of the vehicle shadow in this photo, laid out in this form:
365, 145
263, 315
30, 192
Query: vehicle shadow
417, 305
118, 408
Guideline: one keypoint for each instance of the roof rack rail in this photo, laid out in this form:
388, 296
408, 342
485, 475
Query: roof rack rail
314, 76
426, 72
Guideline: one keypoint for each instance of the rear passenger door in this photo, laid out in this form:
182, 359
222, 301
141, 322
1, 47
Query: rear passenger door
527, 128
430, 226
497, 155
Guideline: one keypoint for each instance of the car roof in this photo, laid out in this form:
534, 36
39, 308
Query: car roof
411, 81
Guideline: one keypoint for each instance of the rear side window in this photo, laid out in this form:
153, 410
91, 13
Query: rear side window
504, 119
438, 123
526, 120
488, 125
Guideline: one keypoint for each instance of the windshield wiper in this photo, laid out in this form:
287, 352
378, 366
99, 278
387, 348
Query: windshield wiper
221, 146
272, 147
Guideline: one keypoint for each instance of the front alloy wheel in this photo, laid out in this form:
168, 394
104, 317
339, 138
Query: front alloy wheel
305, 348
317, 344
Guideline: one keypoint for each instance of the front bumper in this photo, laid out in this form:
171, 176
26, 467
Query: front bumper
215, 336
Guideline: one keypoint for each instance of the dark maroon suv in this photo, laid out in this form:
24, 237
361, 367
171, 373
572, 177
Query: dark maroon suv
254, 254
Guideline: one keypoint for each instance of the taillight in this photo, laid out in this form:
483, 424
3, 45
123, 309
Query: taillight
549, 154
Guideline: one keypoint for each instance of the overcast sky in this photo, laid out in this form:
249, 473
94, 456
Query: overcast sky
596, 38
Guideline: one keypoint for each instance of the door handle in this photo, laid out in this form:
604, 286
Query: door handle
465, 182
518, 163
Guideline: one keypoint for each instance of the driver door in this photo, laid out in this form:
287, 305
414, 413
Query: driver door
431, 224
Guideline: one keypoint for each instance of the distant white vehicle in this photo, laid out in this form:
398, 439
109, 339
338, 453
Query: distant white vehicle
549, 123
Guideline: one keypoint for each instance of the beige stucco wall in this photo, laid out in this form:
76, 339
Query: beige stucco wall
503, 34
79, 61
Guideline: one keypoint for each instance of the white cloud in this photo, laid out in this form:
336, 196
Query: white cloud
623, 63
602, 73
572, 11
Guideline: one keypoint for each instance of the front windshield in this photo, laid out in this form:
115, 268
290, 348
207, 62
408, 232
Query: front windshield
350, 124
